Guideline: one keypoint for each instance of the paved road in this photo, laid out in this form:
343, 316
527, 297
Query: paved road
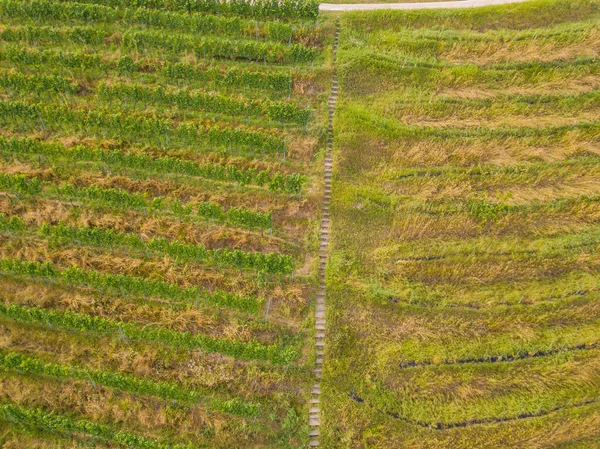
425, 5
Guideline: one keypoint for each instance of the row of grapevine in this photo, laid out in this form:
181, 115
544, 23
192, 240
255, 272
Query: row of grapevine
252, 350
196, 22
216, 47
211, 102
18, 55
30, 365
142, 40
177, 71
25, 364
268, 263
232, 76
122, 199
287, 9
124, 124
20, 184
34, 34
133, 285
37, 83
38, 419
277, 182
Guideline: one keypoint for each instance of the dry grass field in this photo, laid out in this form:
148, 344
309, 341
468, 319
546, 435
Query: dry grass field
463, 280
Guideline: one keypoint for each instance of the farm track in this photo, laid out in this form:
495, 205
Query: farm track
314, 418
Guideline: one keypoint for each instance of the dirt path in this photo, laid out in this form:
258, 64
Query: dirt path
314, 417
425, 5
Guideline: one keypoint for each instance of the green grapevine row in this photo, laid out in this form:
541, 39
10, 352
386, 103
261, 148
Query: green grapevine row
216, 103
291, 183
124, 284
124, 382
30, 365
288, 9
34, 34
196, 22
269, 263
121, 123
141, 40
178, 71
33, 56
37, 83
119, 198
39, 419
216, 47
20, 184
253, 350
233, 76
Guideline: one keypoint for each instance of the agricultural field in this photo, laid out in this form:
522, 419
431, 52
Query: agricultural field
160, 165
462, 284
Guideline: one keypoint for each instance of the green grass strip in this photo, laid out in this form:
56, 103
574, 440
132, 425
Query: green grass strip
252, 350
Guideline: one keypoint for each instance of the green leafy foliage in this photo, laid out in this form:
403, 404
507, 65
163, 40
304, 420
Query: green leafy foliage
37, 83
232, 76
20, 184
46, 34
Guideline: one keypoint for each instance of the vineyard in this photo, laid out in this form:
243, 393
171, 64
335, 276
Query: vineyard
159, 166
463, 286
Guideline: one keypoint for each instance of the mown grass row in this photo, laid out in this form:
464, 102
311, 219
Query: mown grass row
500, 107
